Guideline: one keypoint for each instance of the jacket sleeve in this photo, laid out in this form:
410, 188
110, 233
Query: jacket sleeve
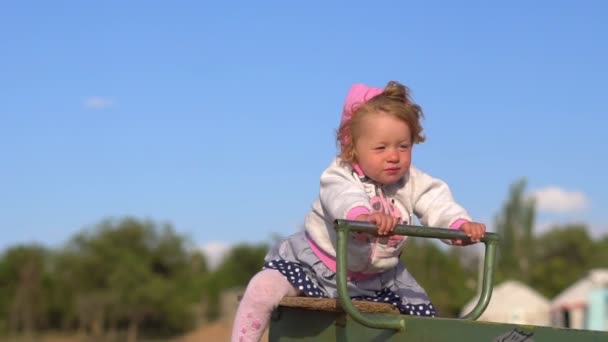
434, 204
341, 191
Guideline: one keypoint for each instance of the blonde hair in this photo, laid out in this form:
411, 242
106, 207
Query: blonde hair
393, 100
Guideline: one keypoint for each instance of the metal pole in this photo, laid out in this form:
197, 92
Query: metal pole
343, 227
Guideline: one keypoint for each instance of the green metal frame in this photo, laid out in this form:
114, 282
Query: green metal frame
303, 324
290, 324
397, 322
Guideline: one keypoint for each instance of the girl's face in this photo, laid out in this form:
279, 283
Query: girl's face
384, 148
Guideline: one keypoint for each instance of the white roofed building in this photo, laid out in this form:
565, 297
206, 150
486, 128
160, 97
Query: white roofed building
583, 305
514, 302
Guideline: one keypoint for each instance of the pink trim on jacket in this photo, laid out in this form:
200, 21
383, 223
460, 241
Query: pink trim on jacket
356, 211
458, 223
358, 169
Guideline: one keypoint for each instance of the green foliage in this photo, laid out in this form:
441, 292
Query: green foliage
123, 273
515, 224
24, 281
550, 262
241, 263
600, 253
562, 256
440, 273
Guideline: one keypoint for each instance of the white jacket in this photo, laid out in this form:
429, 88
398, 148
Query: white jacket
343, 189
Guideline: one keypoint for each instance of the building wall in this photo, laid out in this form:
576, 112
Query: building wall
597, 314
577, 318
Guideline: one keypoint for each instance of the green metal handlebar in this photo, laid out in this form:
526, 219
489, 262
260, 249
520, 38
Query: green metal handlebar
397, 322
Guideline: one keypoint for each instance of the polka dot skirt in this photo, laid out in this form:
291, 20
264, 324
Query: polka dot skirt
300, 280
297, 277
388, 296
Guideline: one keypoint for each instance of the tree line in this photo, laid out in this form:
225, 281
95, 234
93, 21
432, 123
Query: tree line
113, 281
127, 278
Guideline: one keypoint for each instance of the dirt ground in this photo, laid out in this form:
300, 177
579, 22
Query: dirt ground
211, 332
216, 331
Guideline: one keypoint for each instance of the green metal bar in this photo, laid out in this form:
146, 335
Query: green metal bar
486, 284
372, 321
343, 227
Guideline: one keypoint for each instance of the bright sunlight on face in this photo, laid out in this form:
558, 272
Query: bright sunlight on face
384, 148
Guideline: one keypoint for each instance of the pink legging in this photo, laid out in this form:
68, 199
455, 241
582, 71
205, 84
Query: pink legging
263, 294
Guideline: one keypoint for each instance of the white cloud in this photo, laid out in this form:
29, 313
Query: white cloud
558, 200
599, 229
97, 102
596, 230
215, 252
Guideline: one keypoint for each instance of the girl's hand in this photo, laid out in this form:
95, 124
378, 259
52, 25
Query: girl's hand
384, 222
474, 230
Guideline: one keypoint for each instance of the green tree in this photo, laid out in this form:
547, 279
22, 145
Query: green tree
600, 253
515, 224
562, 256
133, 273
240, 264
23, 288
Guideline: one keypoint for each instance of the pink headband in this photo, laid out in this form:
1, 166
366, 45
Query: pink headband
357, 95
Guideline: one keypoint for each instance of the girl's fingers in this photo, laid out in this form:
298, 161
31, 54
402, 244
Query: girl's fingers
380, 227
475, 231
392, 222
379, 224
384, 223
387, 224
479, 232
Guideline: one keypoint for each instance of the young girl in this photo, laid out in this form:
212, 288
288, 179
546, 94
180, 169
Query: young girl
371, 180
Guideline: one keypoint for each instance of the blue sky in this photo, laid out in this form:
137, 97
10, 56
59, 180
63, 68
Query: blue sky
218, 117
